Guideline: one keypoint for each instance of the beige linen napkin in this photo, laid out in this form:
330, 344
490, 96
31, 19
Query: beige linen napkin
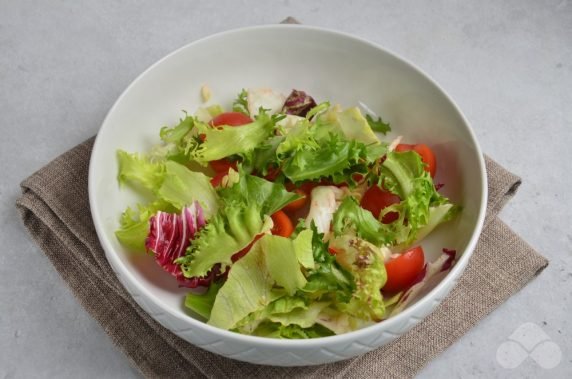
54, 207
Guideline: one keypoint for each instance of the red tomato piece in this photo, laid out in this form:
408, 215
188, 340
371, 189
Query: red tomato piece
222, 165
404, 270
426, 154
282, 225
297, 204
231, 119
376, 199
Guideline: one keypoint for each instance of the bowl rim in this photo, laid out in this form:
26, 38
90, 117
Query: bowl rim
396, 320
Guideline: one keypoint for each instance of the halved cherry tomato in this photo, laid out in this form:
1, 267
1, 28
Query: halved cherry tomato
426, 154
282, 224
404, 270
222, 165
231, 119
297, 204
376, 199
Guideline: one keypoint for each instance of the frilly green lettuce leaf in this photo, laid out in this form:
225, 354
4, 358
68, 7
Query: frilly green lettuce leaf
182, 186
403, 174
269, 197
134, 224
223, 141
222, 237
336, 158
177, 133
378, 125
244, 213
351, 218
326, 280
139, 171
365, 261
240, 104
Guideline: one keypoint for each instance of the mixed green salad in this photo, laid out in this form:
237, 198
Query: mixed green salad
285, 217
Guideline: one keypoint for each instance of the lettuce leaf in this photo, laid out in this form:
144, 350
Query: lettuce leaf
303, 317
282, 263
293, 331
177, 133
182, 186
354, 126
139, 171
228, 232
378, 125
250, 189
340, 322
351, 218
303, 248
240, 104
243, 214
327, 280
223, 141
168, 181
202, 304
284, 304
365, 262
403, 174
134, 224
249, 287
335, 146
333, 157
263, 157
437, 215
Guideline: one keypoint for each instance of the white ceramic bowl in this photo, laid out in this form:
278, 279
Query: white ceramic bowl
329, 66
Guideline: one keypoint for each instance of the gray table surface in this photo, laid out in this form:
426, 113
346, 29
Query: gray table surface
508, 65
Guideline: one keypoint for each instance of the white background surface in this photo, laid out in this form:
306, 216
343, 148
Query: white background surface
508, 65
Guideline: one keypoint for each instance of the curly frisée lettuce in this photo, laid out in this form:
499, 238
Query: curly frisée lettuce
244, 215
269, 215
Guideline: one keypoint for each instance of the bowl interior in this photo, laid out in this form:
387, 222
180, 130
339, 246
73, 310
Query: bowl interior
329, 66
